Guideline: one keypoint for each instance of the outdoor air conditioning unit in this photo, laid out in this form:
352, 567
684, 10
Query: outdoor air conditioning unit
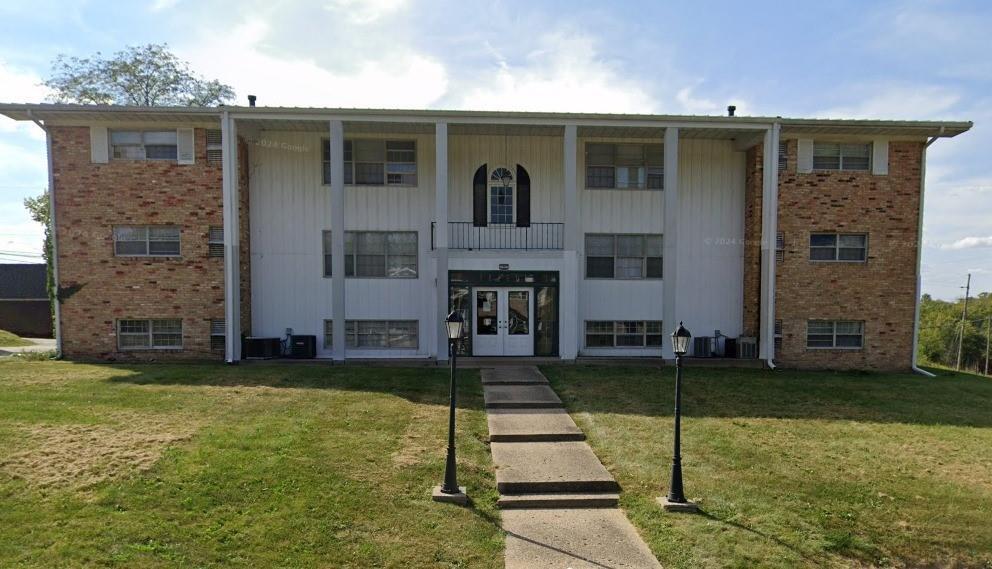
747, 348
302, 347
260, 348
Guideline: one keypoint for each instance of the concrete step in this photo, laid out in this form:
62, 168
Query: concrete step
528, 375
532, 425
558, 500
587, 538
520, 397
541, 468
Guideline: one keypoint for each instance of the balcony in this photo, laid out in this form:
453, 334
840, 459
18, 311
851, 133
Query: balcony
537, 237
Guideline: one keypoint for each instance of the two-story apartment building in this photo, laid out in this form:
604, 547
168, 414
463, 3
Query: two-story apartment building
180, 231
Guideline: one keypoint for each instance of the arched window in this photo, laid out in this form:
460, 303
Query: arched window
501, 197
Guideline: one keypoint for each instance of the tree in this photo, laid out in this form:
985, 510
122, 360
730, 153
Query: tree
148, 75
40, 212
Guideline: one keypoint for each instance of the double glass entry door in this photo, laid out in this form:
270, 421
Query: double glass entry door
503, 323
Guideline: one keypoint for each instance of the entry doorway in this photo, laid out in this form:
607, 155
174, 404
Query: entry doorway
503, 322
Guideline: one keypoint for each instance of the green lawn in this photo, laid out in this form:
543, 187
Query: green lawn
8, 340
798, 469
253, 466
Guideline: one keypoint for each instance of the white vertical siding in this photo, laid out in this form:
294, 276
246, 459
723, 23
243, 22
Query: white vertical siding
290, 208
540, 155
711, 236
711, 186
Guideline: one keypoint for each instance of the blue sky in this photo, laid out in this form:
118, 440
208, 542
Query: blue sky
899, 59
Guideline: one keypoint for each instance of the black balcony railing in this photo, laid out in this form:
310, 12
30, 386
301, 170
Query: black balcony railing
538, 236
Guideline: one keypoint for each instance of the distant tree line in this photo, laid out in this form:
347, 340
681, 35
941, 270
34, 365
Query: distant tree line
940, 326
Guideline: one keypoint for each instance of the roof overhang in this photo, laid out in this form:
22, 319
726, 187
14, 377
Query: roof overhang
470, 122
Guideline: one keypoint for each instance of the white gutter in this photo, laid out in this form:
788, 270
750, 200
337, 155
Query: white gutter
919, 257
56, 302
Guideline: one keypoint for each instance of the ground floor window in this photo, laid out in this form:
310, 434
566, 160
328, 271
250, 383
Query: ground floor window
623, 334
376, 334
844, 334
165, 334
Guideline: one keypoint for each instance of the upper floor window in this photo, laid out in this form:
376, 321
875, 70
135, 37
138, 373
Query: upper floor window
143, 145
381, 254
623, 256
146, 241
501, 197
625, 166
838, 247
370, 162
837, 156
845, 334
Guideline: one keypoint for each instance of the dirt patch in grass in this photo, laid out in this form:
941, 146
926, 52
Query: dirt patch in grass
419, 442
81, 455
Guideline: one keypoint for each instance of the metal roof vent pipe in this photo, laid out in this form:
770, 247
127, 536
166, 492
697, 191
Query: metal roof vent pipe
730, 110
251, 100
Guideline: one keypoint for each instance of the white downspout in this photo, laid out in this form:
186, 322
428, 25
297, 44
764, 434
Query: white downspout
56, 303
771, 168
919, 257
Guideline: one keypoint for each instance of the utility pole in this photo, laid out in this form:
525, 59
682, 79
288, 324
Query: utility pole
988, 327
964, 315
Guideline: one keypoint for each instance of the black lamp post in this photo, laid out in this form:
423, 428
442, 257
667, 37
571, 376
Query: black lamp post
675, 501
449, 491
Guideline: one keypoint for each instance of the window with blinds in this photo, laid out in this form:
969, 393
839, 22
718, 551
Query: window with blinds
215, 153
841, 157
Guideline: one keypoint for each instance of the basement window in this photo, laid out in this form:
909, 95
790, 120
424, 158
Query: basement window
218, 331
381, 334
623, 334
841, 157
143, 145
165, 334
835, 334
146, 241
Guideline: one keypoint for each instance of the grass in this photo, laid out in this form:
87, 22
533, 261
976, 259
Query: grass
798, 469
9, 340
256, 466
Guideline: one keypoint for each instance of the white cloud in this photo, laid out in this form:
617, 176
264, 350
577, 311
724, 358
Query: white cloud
395, 78
160, 5
969, 243
564, 73
893, 101
365, 11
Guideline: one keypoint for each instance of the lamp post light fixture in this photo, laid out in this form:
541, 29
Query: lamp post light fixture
675, 501
449, 491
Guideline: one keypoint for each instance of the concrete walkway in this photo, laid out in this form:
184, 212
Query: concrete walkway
559, 501
37, 345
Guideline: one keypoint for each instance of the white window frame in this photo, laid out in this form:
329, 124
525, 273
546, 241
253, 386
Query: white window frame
351, 168
617, 329
351, 239
143, 144
148, 241
656, 170
497, 182
218, 330
149, 334
840, 156
616, 256
215, 146
353, 329
215, 241
837, 247
833, 334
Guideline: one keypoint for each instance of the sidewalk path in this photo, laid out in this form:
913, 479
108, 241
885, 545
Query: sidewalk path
38, 345
559, 501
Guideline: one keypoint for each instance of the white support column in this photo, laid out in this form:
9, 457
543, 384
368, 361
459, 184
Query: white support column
232, 240
570, 331
669, 304
769, 229
338, 313
441, 237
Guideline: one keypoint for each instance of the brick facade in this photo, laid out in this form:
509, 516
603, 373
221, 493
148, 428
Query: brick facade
99, 288
880, 291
